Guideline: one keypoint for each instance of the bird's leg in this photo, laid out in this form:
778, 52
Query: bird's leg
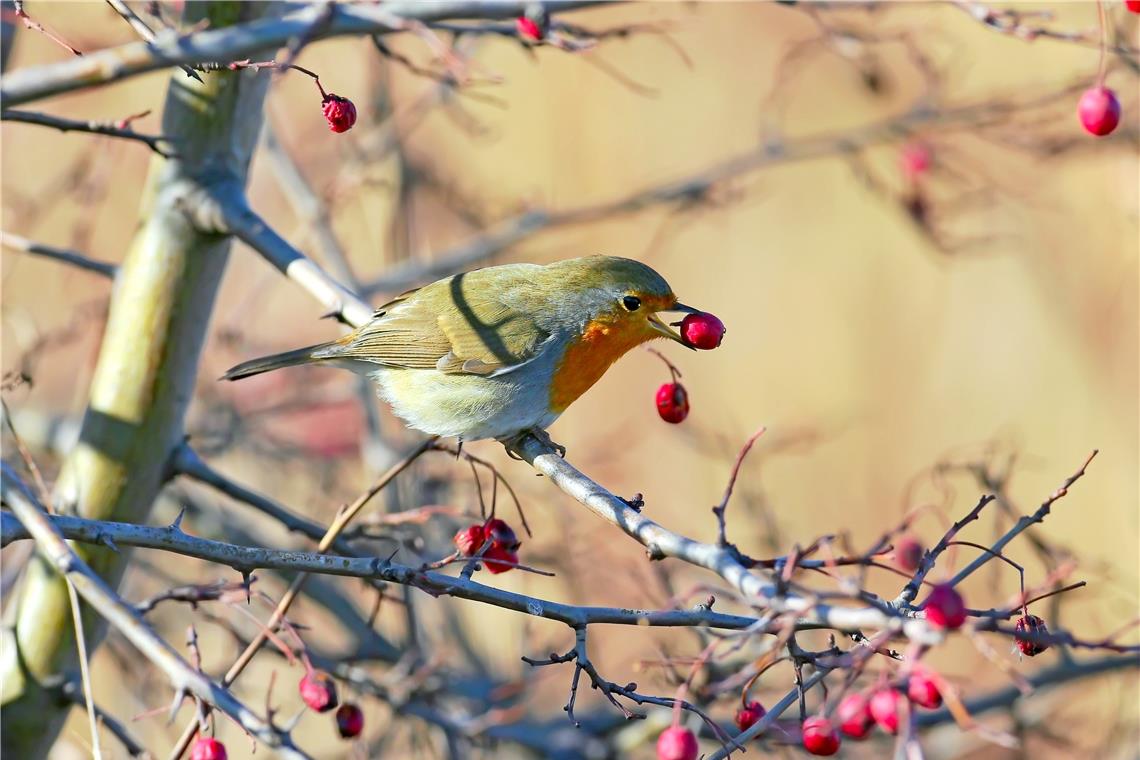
511, 444
544, 437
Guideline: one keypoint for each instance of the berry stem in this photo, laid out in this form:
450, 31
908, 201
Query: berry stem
672, 368
1103, 43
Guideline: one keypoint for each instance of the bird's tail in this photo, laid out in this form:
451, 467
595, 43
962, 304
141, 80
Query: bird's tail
307, 355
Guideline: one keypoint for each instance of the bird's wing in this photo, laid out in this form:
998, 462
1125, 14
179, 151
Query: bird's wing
468, 324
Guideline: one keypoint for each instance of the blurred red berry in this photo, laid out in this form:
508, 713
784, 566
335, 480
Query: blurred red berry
672, 402
339, 112
1132, 5
501, 534
945, 607
469, 540
819, 737
208, 748
497, 552
528, 29
915, 160
677, 743
703, 331
1034, 626
749, 714
884, 707
349, 720
922, 689
854, 716
318, 690
908, 553
1099, 111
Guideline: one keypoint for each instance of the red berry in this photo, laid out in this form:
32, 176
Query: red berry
500, 534
915, 160
1034, 626
1132, 5
703, 331
469, 540
884, 707
945, 607
677, 743
922, 689
497, 552
318, 690
749, 714
1099, 111
672, 402
819, 737
349, 720
854, 716
208, 748
528, 29
908, 553
339, 112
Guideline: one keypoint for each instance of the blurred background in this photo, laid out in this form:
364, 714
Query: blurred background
928, 271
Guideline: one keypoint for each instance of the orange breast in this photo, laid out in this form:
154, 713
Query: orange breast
586, 359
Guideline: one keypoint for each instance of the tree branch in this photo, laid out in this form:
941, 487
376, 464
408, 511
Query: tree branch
17, 243
104, 128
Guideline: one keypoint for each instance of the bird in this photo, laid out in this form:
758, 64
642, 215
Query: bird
501, 351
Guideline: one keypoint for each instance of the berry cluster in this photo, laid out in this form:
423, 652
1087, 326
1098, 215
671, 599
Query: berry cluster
503, 549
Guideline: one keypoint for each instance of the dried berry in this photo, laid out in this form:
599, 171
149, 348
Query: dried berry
469, 540
703, 331
501, 534
884, 707
672, 402
819, 736
318, 690
908, 553
1034, 626
945, 607
749, 714
349, 720
1099, 111
339, 112
207, 748
496, 552
854, 716
677, 743
922, 689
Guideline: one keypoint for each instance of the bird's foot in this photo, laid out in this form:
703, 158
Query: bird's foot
544, 438
511, 444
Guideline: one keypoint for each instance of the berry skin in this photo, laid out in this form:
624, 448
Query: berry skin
318, 690
908, 553
672, 402
1099, 111
677, 743
915, 160
749, 714
469, 540
1132, 5
922, 689
1034, 625
854, 716
945, 608
497, 552
501, 534
528, 29
339, 112
884, 706
349, 720
819, 737
208, 748
703, 331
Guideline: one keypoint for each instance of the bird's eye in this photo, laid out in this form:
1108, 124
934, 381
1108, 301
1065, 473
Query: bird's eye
631, 303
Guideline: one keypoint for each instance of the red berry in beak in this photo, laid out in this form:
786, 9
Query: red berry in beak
349, 720
884, 706
1099, 111
749, 714
945, 608
677, 743
908, 553
672, 402
339, 112
1034, 626
703, 331
318, 690
854, 716
922, 689
208, 748
819, 737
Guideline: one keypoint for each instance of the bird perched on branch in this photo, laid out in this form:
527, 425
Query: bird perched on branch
500, 351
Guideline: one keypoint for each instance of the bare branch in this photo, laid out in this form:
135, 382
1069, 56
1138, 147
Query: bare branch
17, 243
120, 129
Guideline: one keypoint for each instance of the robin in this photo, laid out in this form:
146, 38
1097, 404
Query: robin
500, 351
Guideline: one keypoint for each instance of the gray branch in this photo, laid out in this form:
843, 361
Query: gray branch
17, 243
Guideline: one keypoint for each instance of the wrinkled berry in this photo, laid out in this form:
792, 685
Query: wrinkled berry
922, 689
854, 716
884, 707
749, 714
1034, 626
703, 331
677, 743
501, 534
819, 737
349, 720
1099, 111
469, 540
318, 690
339, 112
945, 607
908, 553
672, 402
208, 748
497, 552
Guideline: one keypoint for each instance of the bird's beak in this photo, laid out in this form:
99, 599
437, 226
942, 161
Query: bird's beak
659, 325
